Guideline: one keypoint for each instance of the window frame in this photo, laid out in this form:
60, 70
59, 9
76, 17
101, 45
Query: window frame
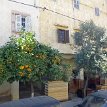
13, 21
97, 11
76, 4
65, 36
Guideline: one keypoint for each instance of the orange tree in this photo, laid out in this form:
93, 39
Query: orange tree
25, 59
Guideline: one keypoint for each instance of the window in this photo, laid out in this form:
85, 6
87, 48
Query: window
78, 39
97, 12
76, 4
63, 36
21, 21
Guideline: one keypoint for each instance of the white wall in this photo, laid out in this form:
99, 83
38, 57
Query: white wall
6, 8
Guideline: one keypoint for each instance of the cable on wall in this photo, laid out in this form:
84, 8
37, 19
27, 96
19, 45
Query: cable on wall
44, 8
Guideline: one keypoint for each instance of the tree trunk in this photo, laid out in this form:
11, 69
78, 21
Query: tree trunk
85, 88
32, 90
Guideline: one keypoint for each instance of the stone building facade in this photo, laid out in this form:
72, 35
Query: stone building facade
53, 21
59, 19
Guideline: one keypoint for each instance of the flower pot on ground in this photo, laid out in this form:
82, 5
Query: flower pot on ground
57, 90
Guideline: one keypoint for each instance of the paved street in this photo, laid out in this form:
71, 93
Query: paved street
71, 103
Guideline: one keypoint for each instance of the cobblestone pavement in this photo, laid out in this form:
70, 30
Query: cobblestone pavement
71, 103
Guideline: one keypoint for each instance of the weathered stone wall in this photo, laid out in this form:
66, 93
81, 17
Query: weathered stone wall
49, 19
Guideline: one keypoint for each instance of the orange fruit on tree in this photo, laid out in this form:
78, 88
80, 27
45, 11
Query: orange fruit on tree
29, 70
26, 66
21, 67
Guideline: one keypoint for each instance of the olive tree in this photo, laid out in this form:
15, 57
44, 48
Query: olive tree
90, 56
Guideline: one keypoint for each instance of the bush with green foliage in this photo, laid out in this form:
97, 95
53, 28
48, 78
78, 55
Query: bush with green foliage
25, 59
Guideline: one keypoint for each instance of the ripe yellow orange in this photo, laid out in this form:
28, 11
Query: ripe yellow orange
29, 70
21, 74
26, 66
21, 67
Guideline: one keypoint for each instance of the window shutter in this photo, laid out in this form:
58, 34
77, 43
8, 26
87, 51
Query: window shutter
78, 4
97, 13
74, 3
59, 36
67, 36
18, 23
13, 18
28, 26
